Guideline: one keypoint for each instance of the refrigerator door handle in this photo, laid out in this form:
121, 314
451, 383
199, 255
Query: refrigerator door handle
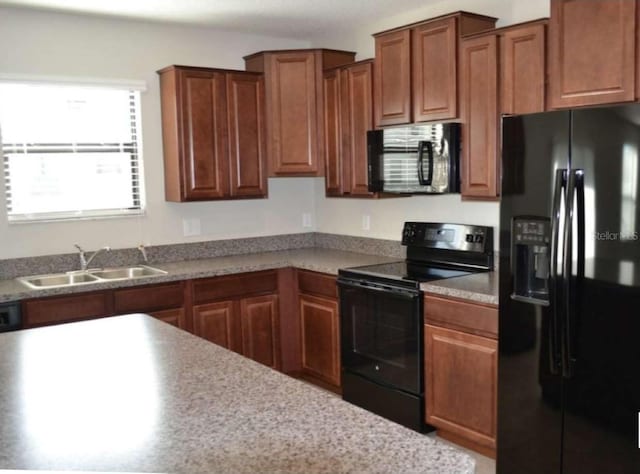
555, 330
574, 221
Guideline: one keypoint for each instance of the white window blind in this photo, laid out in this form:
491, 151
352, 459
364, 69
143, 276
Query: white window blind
70, 151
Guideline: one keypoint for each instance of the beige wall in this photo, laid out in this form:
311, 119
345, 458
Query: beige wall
345, 216
48, 44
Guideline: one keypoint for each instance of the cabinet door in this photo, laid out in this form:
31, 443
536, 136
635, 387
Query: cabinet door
357, 103
435, 79
592, 52
522, 70
481, 126
175, 317
332, 133
205, 172
245, 105
392, 78
217, 323
461, 384
60, 309
293, 137
320, 338
260, 329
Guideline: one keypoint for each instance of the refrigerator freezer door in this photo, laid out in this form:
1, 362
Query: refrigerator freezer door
529, 396
603, 389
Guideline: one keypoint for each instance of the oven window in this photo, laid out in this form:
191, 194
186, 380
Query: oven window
386, 331
381, 336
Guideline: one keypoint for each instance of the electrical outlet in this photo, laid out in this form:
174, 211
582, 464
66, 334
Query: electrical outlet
306, 220
366, 222
191, 227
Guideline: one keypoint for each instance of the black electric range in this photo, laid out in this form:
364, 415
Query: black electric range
381, 313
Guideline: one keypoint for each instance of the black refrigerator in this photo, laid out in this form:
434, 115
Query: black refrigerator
569, 318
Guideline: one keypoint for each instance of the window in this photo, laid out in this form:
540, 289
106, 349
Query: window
70, 151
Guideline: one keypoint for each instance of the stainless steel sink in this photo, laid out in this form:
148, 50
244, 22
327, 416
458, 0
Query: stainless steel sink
124, 273
60, 280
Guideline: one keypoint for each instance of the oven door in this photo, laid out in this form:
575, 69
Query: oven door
381, 333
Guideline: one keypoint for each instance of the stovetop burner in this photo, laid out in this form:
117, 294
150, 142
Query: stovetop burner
407, 271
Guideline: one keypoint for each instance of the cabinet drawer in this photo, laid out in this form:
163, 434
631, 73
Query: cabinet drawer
148, 298
314, 283
211, 289
60, 309
456, 314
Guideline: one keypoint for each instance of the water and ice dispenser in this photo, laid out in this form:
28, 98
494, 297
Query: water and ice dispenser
531, 256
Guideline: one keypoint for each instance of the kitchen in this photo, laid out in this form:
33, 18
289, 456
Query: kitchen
118, 49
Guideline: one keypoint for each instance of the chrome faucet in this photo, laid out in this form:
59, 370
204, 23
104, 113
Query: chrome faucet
84, 261
143, 251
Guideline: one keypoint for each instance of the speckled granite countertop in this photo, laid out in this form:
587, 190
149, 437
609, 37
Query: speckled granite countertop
480, 287
134, 394
316, 259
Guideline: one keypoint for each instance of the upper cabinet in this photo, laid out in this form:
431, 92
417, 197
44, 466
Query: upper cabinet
523, 68
213, 135
392, 68
348, 116
415, 69
294, 103
514, 58
480, 132
592, 52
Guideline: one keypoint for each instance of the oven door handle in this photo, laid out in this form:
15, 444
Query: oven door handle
376, 287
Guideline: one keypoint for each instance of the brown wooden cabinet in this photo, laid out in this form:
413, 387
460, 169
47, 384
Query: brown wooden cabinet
212, 131
480, 131
61, 309
165, 301
319, 327
294, 103
348, 116
435, 91
416, 69
523, 68
240, 313
461, 363
392, 86
592, 52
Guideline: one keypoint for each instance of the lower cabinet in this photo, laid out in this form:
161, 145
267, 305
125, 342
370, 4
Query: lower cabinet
240, 313
461, 369
164, 301
62, 309
319, 327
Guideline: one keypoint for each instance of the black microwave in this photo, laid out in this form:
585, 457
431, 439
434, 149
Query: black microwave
416, 159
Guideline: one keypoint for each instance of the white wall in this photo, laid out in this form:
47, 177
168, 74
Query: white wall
49, 44
344, 216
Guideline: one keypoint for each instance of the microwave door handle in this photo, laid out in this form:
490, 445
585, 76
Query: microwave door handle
421, 147
429, 180
420, 161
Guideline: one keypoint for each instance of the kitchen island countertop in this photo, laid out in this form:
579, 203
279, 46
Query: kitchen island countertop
130, 393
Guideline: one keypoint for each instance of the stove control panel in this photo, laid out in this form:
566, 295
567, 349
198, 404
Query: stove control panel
460, 237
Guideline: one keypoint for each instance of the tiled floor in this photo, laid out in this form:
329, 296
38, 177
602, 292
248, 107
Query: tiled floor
484, 465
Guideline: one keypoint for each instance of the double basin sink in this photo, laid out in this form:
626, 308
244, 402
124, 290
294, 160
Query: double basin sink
83, 277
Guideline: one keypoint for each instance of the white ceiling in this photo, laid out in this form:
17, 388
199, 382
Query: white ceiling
287, 18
